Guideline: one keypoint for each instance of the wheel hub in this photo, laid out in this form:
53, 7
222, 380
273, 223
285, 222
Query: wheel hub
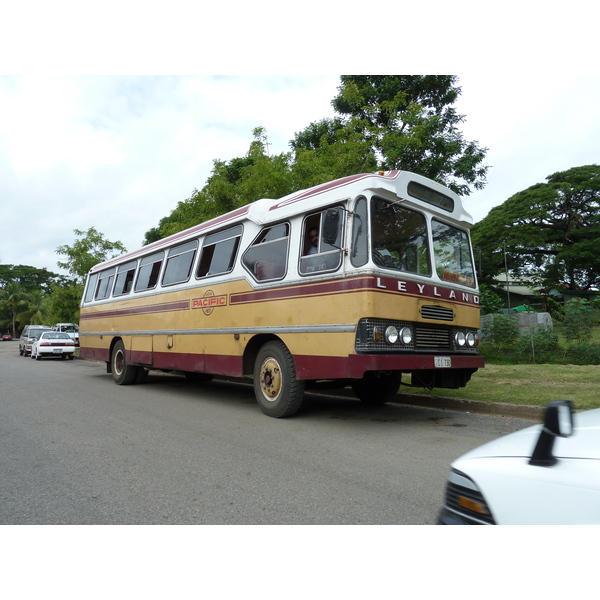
270, 379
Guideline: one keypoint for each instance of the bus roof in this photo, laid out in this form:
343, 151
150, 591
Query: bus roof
268, 210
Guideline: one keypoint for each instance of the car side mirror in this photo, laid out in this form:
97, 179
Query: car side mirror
331, 225
558, 422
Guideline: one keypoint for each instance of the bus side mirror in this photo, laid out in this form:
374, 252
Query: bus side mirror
331, 225
558, 422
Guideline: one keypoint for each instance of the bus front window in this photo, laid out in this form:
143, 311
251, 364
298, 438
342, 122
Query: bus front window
399, 238
452, 252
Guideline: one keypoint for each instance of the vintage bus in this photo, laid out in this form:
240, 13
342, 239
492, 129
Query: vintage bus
351, 283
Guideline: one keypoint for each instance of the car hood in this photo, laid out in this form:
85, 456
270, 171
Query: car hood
584, 443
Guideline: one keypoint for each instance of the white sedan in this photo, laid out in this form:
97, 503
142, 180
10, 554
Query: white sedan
53, 343
542, 475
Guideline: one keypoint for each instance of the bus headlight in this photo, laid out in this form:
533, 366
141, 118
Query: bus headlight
406, 336
460, 338
391, 335
471, 341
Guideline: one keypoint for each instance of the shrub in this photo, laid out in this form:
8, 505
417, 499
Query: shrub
578, 321
583, 354
541, 345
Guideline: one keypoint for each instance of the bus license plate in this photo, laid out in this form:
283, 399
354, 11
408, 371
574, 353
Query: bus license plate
442, 362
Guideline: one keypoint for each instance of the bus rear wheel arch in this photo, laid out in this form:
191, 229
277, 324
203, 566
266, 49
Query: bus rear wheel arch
278, 391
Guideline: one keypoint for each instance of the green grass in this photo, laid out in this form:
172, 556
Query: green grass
533, 385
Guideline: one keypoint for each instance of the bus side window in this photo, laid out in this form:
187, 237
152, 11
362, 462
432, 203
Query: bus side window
179, 263
91, 288
149, 270
267, 256
360, 246
218, 252
125, 276
317, 255
105, 284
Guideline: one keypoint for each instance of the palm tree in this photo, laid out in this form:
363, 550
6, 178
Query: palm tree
13, 299
34, 310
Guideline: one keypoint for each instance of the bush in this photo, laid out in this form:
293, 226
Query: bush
583, 354
578, 321
539, 346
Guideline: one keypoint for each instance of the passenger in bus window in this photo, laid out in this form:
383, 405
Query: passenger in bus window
313, 239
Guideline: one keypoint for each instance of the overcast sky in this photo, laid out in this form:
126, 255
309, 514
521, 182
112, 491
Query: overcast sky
117, 152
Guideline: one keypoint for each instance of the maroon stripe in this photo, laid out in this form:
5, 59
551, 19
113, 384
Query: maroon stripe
383, 285
150, 308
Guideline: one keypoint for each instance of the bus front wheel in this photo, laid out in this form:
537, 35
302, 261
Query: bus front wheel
122, 372
278, 391
376, 387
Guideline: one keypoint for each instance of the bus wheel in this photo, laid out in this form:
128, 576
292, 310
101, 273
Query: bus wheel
278, 392
376, 387
122, 373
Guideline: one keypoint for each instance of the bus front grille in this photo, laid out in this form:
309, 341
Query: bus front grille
441, 313
432, 338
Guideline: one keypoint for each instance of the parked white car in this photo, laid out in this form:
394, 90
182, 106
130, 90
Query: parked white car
53, 343
544, 475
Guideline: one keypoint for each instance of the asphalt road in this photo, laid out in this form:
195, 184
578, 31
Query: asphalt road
77, 449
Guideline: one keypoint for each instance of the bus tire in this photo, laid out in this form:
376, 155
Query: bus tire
278, 391
377, 387
123, 373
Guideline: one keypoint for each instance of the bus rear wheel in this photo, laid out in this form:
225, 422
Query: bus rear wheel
122, 372
278, 391
376, 387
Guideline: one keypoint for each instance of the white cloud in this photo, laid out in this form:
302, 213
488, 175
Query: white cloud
119, 153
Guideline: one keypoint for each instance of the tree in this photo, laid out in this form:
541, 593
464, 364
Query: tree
550, 231
89, 250
407, 122
31, 278
384, 122
13, 300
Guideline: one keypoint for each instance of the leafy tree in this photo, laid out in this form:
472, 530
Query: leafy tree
550, 231
62, 306
13, 300
384, 122
407, 122
90, 249
31, 278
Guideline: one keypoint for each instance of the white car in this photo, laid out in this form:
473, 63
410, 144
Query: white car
544, 475
53, 343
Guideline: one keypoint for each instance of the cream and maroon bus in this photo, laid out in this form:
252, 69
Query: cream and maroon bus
353, 282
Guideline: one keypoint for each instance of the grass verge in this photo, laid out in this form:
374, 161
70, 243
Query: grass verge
529, 385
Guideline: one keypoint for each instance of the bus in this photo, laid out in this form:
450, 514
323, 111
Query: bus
356, 282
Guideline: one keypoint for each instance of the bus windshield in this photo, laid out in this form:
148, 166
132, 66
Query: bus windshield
400, 242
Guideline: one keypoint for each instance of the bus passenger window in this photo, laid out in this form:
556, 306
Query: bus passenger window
266, 258
105, 284
91, 288
218, 252
125, 276
149, 271
179, 263
317, 255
